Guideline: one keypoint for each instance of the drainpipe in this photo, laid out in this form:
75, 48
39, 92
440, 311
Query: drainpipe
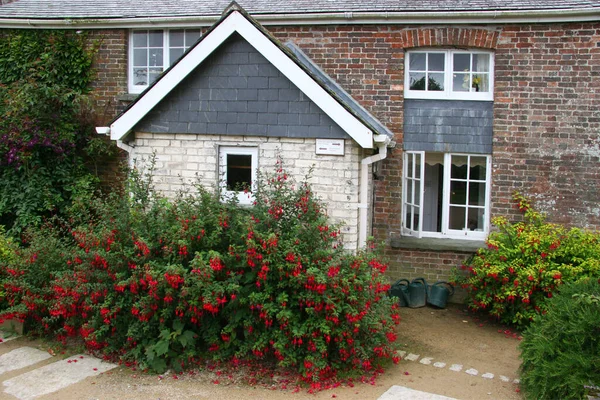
382, 142
105, 130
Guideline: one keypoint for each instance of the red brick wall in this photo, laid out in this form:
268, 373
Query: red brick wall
546, 113
111, 69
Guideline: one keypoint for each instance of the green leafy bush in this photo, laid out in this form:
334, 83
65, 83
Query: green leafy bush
525, 263
162, 283
46, 130
561, 351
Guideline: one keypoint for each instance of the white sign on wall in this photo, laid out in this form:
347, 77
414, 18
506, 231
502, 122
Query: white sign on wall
332, 147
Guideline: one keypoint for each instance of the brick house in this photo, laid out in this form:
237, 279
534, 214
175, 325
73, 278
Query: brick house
421, 118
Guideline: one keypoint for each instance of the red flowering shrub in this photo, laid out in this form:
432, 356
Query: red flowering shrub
160, 284
525, 263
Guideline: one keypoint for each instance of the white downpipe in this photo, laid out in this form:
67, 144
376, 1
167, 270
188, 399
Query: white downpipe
105, 130
382, 142
130, 150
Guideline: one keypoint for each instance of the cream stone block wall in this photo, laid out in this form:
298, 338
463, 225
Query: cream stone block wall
182, 159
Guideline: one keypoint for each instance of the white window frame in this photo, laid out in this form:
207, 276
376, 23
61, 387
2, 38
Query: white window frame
166, 46
244, 198
448, 93
446, 232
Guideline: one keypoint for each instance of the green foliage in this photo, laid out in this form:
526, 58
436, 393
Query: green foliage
162, 283
561, 350
49, 58
46, 133
525, 263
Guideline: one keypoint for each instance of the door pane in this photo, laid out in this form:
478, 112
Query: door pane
457, 218
477, 168
459, 167
477, 194
409, 191
476, 219
458, 192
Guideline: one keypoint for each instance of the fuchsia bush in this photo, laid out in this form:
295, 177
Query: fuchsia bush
162, 284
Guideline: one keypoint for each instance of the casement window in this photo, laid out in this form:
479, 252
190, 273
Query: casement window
153, 51
446, 195
449, 74
237, 173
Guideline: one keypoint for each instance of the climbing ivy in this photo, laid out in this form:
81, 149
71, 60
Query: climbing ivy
46, 126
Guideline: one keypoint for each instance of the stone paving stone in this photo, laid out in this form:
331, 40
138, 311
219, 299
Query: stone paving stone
21, 358
456, 367
401, 353
404, 393
517, 381
412, 357
472, 371
426, 360
488, 375
6, 336
439, 364
504, 378
53, 377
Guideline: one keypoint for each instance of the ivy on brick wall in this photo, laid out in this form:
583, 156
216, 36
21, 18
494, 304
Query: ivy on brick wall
46, 129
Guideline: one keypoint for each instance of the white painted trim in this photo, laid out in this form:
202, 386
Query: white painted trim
242, 198
448, 94
446, 232
236, 22
383, 17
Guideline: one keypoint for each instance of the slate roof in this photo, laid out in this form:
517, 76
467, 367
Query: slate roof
88, 9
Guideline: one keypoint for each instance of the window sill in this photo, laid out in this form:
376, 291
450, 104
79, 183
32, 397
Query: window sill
127, 97
436, 244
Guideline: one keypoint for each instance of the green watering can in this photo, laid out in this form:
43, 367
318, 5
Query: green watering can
417, 293
400, 289
439, 293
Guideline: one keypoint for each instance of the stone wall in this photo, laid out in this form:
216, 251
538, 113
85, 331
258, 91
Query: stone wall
193, 158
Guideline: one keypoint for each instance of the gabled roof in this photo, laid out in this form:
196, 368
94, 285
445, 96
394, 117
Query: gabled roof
336, 103
86, 13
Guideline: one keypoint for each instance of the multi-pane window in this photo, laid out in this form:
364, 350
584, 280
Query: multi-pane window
446, 195
237, 172
152, 51
449, 74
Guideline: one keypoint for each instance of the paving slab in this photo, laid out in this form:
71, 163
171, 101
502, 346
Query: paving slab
6, 336
21, 358
439, 364
53, 377
412, 357
504, 378
404, 393
472, 371
488, 375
